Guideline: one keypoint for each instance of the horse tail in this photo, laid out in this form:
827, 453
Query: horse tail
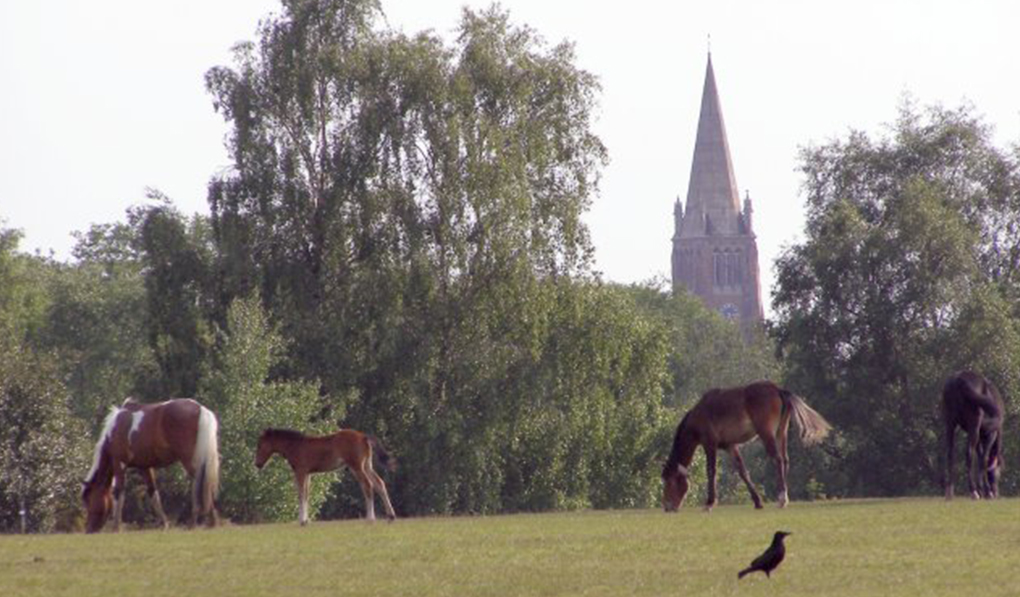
673, 464
384, 457
813, 426
207, 460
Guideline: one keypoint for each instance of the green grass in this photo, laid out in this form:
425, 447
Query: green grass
860, 547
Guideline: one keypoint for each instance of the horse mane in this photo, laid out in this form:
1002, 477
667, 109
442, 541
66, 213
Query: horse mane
284, 434
674, 454
97, 458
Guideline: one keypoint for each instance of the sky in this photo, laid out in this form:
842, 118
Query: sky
101, 100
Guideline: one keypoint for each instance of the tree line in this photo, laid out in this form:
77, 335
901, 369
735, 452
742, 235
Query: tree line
399, 247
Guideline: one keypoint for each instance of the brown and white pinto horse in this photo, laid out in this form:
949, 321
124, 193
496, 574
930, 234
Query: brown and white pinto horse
307, 454
725, 419
147, 437
973, 403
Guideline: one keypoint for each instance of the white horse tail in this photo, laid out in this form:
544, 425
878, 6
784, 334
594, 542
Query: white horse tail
813, 426
207, 461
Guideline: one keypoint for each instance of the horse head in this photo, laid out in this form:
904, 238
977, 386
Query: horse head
675, 486
98, 500
264, 450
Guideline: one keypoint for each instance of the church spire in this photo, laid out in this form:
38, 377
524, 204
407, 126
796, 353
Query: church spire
713, 205
715, 253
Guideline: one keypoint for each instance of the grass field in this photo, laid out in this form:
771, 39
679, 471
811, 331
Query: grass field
866, 547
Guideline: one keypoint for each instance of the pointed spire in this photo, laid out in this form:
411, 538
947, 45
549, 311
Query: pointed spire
712, 192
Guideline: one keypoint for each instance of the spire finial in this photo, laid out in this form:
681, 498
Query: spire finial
709, 45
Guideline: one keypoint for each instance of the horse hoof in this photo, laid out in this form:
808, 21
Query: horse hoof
758, 506
975, 495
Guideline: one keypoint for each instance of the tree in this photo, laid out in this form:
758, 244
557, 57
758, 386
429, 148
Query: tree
706, 350
247, 403
96, 322
411, 214
176, 259
42, 448
905, 277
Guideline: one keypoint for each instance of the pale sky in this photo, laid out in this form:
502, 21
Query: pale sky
101, 99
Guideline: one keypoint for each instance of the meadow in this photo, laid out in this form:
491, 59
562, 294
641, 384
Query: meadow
917, 546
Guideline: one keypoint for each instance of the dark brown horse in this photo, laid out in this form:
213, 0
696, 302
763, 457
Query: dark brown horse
725, 419
308, 454
973, 403
147, 437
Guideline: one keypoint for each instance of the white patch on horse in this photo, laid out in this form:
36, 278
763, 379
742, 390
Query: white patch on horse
108, 424
136, 423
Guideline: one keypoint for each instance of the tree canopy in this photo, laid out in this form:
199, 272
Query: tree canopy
908, 273
399, 246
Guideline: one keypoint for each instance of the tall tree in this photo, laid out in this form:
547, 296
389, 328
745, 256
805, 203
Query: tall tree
411, 213
904, 277
179, 292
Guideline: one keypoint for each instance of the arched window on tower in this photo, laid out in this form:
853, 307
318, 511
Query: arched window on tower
728, 269
734, 271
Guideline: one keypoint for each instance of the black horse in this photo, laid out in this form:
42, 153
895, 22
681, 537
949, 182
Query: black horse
973, 403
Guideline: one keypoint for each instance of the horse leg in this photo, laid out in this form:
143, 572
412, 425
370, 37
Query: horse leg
308, 496
947, 480
710, 467
992, 464
781, 445
150, 481
196, 499
119, 479
973, 437
366, 490
971, 457
739, 462
377, 482
772, 449
301, 481
984, 450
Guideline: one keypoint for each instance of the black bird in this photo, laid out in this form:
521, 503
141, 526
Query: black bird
772, 557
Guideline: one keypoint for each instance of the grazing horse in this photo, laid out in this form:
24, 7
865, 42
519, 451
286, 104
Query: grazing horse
147, 437
725, 419
973, 403
306, 455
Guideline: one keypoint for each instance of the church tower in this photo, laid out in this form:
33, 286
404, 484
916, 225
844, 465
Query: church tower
715, 255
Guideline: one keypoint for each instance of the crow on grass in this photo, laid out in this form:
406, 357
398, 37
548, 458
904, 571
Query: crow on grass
772, 557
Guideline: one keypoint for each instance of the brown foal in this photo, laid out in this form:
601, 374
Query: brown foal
308, 454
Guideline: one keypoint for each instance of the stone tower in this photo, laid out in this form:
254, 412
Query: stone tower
715, 255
